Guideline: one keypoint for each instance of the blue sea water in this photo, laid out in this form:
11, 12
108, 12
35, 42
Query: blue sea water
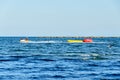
50, 58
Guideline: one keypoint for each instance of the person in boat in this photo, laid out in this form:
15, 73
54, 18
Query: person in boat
26, 39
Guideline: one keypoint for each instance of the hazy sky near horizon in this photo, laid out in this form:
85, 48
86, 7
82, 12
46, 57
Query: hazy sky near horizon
59, 17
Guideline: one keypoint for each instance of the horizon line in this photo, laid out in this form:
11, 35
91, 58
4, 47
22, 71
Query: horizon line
60, 36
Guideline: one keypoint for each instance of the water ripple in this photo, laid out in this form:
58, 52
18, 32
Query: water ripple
60, 60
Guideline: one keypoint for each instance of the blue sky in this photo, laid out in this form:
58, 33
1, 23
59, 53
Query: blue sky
59, 17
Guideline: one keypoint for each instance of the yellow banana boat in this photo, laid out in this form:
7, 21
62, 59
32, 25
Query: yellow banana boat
74, 41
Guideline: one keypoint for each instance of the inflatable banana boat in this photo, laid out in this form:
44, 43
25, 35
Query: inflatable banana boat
74, 41
80, 41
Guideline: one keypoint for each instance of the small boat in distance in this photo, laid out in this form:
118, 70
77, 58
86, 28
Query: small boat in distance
24, 40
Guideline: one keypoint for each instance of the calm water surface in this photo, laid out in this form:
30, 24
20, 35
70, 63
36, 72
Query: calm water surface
55, 59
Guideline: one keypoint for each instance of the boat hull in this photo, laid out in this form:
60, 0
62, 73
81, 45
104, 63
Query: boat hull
24, 41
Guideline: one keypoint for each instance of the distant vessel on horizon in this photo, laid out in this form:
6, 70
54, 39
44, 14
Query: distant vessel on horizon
24, 40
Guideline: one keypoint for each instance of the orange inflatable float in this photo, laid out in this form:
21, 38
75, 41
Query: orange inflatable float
87, 40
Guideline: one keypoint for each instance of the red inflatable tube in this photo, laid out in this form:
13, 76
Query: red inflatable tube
87, 40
